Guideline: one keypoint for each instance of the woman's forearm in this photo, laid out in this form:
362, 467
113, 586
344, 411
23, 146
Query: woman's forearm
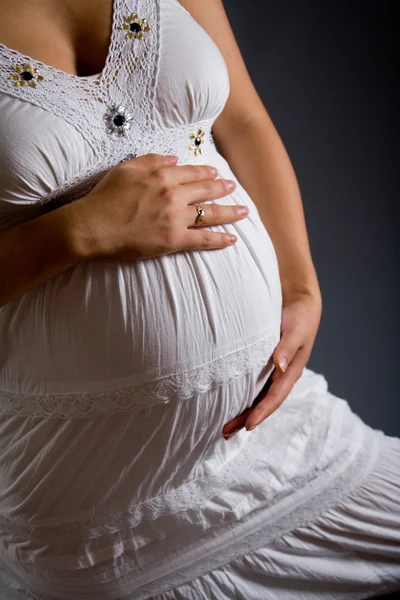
260, 162
37, 250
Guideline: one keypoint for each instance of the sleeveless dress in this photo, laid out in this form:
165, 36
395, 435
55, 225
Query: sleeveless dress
116, 377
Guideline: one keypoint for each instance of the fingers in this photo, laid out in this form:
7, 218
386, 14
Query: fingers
200, 186
290, 342
151, 160
190, 173
181, 174
237, 422
298, 329
204, 190
205, 239
216, 214
281, 386
199, 181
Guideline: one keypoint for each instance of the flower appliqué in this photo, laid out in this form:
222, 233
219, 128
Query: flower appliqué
118, 120
198, 140
134, 26
26, 75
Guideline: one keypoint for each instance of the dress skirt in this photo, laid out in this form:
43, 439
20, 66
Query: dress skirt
350, 552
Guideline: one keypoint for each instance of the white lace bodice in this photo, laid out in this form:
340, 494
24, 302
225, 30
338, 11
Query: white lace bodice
64, 115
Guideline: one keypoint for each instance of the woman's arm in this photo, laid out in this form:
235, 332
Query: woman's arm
261, 164
250, 143
38, 250
259, 160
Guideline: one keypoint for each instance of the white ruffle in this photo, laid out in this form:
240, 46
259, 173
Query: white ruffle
211, 522
350, 552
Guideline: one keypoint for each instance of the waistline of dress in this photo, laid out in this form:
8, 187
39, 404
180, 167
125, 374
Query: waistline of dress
176, 387
193, 144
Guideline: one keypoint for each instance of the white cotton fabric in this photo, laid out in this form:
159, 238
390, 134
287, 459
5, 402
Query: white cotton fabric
350, 552
116, 377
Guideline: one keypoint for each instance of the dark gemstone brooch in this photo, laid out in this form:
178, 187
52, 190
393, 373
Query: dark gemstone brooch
198, 139
118, 120
26, 75
134, 27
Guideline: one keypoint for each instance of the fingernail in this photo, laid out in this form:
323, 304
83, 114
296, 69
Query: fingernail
283, 363
231, 184
227, 436
250, 428
243, 210
232, 238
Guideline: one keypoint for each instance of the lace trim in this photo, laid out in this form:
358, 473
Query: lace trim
181, 386
82, 102
191, 495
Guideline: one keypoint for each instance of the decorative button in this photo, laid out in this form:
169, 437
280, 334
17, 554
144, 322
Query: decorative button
134, 26
26, 75
198, 140
117, 120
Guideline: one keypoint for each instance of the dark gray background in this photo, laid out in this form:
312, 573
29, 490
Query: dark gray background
327, 74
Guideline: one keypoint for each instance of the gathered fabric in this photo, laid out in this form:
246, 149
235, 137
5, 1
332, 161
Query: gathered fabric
351, 551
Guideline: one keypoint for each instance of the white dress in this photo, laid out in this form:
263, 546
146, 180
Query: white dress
116, 377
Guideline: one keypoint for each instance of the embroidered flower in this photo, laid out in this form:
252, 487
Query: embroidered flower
134, 26
26, 75
118, 120
198, 139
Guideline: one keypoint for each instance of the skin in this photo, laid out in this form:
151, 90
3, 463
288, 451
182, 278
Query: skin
77, 40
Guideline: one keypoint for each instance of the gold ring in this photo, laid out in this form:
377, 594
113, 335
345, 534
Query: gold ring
200, 215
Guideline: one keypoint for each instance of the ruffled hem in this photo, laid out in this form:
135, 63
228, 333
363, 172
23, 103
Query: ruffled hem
349, 552
235, 489
304, 507
253, 533
194, 552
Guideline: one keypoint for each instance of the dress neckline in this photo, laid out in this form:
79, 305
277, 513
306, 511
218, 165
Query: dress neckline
84, 78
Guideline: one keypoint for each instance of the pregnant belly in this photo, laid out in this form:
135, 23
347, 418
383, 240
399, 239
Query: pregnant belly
108, 324
107, 334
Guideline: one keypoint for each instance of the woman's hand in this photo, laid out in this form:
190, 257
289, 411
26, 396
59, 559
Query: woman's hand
141, 208
301, 314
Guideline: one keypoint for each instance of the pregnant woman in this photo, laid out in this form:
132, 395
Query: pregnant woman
150, 304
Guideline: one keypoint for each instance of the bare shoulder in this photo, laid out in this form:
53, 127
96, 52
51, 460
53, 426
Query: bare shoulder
244, 102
